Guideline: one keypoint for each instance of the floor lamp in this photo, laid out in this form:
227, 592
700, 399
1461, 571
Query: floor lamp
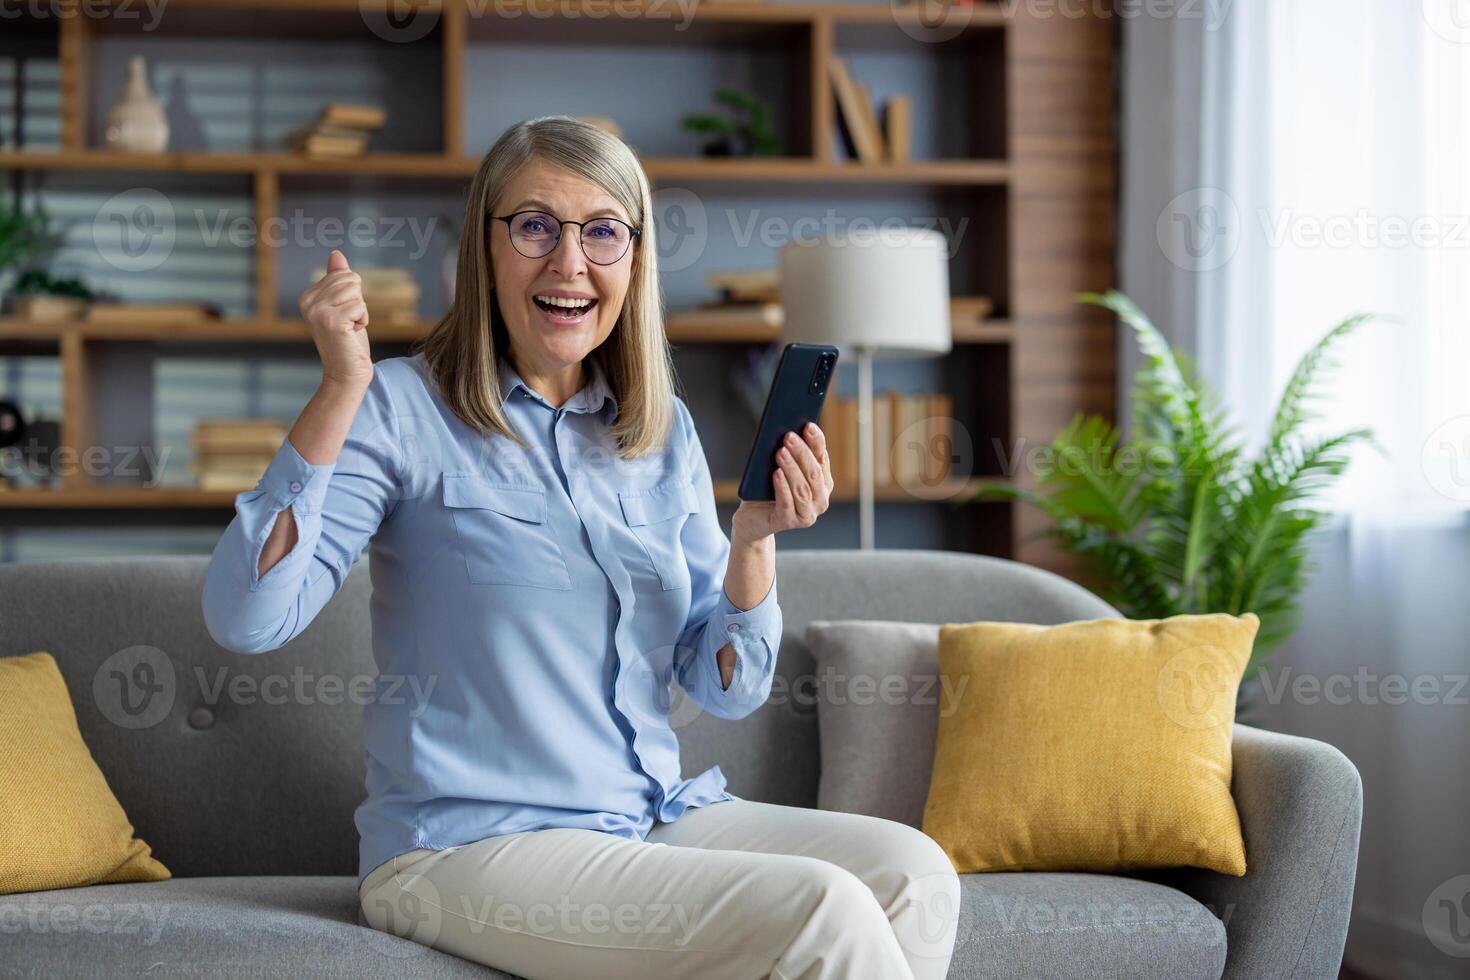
874, 294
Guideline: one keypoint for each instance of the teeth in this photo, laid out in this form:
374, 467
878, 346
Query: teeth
564, 301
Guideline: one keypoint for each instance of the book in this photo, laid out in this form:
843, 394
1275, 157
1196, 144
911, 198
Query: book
883, 438
870, 120
733, 314
970, 307
897, 126
151, 314
858, 137
345, 115
750, 285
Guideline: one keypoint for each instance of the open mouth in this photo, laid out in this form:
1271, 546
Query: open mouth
564, 307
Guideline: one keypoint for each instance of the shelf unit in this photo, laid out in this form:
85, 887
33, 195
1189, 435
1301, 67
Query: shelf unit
1037, 170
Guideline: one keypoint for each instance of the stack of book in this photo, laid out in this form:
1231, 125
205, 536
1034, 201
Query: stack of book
912, 440
391, 295
340, 130
746, 297
151, 314
232, 454
863, 136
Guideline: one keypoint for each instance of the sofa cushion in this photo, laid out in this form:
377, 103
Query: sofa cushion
60, 824
1044, 924
1100, 745
879, 697
303, 926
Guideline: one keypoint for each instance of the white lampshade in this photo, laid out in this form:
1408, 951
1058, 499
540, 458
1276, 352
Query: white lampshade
885, 288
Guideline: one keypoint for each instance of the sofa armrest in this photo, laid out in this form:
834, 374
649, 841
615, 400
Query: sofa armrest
1301, 809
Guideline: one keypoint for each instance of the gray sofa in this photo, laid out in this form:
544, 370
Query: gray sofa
246, 791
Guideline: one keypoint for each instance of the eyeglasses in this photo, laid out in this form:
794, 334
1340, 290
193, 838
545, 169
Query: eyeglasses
535, 234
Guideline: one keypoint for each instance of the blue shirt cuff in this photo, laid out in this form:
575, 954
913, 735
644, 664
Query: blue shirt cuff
754, 636
289, 478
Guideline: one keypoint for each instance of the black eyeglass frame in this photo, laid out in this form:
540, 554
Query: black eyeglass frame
508, 218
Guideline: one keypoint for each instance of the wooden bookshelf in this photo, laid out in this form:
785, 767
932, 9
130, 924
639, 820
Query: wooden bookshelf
1039, 170
234, 329
160, 497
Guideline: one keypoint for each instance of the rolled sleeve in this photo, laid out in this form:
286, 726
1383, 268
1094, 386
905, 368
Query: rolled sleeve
337, 508
714, 621
289, 481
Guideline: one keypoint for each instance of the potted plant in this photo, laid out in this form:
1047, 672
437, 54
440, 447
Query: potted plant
1176, 519
24, 236
41, 297
744, 130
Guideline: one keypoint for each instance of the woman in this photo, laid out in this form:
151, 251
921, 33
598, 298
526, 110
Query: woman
546, 558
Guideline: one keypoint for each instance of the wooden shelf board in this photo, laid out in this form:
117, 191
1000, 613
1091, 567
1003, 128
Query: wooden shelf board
164, 498
228, 329
436, 165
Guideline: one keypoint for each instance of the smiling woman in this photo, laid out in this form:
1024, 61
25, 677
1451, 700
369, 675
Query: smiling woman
547, 559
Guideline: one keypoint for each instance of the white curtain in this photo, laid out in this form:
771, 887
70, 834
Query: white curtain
1321, 167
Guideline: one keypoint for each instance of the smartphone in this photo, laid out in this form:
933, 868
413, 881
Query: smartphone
803, 375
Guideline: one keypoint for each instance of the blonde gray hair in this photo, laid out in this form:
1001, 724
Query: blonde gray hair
462, 348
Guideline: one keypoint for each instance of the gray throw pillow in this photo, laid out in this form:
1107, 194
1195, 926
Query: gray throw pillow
879, 698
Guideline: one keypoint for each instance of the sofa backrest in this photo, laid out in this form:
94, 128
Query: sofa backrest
231, 765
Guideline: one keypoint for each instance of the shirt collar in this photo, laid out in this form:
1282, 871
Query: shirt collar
595, 395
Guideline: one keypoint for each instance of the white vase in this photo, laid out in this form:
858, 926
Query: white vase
136, 123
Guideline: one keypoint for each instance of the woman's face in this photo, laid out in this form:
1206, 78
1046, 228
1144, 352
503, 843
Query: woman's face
545, 340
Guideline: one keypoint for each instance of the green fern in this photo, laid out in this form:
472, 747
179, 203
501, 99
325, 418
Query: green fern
1176, 519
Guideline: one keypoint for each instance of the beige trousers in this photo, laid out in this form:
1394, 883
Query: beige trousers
734, 889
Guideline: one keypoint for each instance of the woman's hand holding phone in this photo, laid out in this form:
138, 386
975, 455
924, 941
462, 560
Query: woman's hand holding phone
803, 481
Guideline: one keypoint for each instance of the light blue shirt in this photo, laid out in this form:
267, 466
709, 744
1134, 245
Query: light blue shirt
529, 609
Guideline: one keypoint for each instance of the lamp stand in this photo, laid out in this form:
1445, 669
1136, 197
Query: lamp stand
865, 447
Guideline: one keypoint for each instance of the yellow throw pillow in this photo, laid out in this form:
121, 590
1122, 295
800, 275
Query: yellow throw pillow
1099, 745
60, 825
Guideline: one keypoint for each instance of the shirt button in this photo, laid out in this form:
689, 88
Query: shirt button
733, 628
295, 486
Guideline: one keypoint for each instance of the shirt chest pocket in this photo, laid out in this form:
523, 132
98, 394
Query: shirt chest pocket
656, 517
504, 534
